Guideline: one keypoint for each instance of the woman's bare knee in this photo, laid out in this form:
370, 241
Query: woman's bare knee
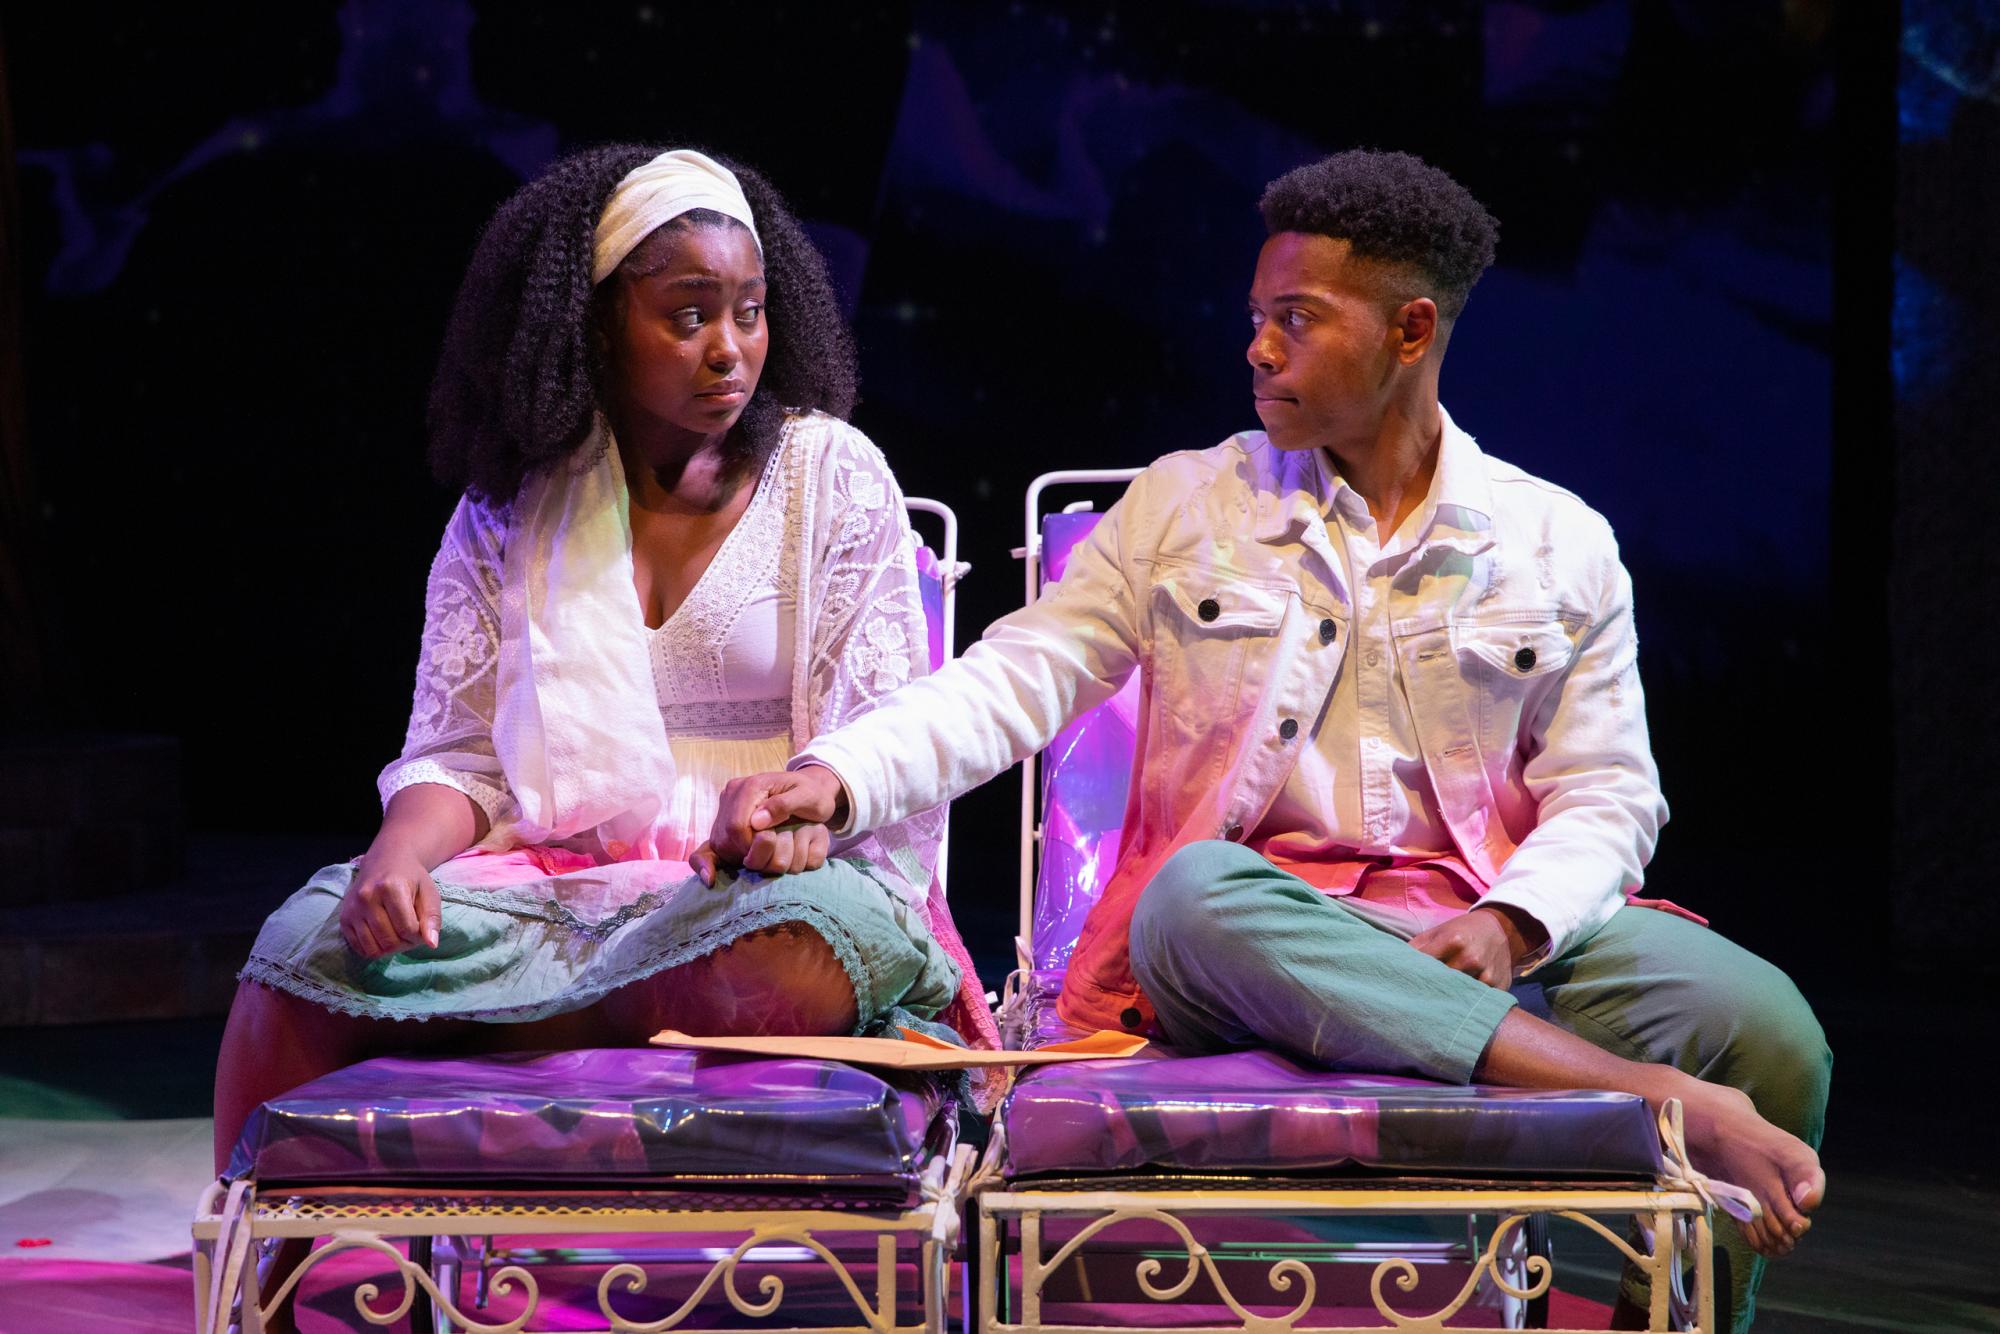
791, 965
781, 980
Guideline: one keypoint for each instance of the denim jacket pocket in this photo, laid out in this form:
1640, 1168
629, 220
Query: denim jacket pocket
1217, 607
1205, 628
1510, 664
1516, 649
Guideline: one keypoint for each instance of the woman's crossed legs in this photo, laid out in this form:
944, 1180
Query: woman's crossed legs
780, 979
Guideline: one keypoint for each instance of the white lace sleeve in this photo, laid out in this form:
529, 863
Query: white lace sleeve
450, 739
870, 636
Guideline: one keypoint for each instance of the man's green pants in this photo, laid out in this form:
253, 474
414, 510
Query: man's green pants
1234, 952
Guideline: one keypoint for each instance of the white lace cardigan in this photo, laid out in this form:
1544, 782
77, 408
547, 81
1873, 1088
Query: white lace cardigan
861, 636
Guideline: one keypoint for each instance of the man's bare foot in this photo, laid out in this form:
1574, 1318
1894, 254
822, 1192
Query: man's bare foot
1730, 1142
1728, 1139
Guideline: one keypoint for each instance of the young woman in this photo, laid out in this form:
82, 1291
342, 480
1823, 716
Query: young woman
674, 563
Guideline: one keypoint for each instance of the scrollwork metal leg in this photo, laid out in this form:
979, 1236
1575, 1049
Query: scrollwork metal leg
885, 1281
1519, 1266
1713, 1296
203, 1258
1660, 1268
250, 1297
411, 1278
879, 1317
1031, 1269
992, 1272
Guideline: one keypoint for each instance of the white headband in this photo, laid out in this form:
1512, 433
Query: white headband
658, 192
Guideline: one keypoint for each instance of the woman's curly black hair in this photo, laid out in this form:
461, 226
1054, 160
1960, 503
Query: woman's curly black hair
518, 382
1394, 209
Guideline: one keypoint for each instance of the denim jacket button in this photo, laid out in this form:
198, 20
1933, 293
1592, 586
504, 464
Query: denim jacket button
1525, 659
1209, 609
1327, 630
1131, 1017
1234, 833
1288, 728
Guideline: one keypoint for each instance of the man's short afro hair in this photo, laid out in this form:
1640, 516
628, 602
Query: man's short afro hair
1394, 209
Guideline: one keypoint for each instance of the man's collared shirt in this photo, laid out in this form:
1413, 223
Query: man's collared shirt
1360, 789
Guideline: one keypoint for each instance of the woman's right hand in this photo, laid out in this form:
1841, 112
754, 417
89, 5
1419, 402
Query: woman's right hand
392, 902
775, 823
391, 905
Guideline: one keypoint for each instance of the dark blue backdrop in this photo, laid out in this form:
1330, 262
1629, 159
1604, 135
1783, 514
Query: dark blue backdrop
241, 238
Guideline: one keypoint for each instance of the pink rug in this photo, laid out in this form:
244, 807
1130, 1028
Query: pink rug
66, 1296
69, 1296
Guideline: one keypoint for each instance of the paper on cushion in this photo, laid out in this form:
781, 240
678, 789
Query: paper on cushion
914, 1051
1103, 1045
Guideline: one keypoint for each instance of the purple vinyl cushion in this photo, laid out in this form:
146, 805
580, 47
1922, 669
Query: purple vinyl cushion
616, 1115
1258, 1111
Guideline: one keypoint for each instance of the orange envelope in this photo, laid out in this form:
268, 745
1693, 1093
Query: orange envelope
914, 1051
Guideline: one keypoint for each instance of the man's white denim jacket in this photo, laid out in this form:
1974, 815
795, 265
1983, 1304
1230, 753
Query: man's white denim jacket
1512, 629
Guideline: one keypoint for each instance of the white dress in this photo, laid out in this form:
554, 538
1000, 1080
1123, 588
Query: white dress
722, 668
543, 924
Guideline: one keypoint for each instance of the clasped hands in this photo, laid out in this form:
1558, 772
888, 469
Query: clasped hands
775, 823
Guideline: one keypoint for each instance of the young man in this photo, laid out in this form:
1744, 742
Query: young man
1392, 756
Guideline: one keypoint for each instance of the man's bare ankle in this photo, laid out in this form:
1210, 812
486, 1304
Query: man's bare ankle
1657, 1083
